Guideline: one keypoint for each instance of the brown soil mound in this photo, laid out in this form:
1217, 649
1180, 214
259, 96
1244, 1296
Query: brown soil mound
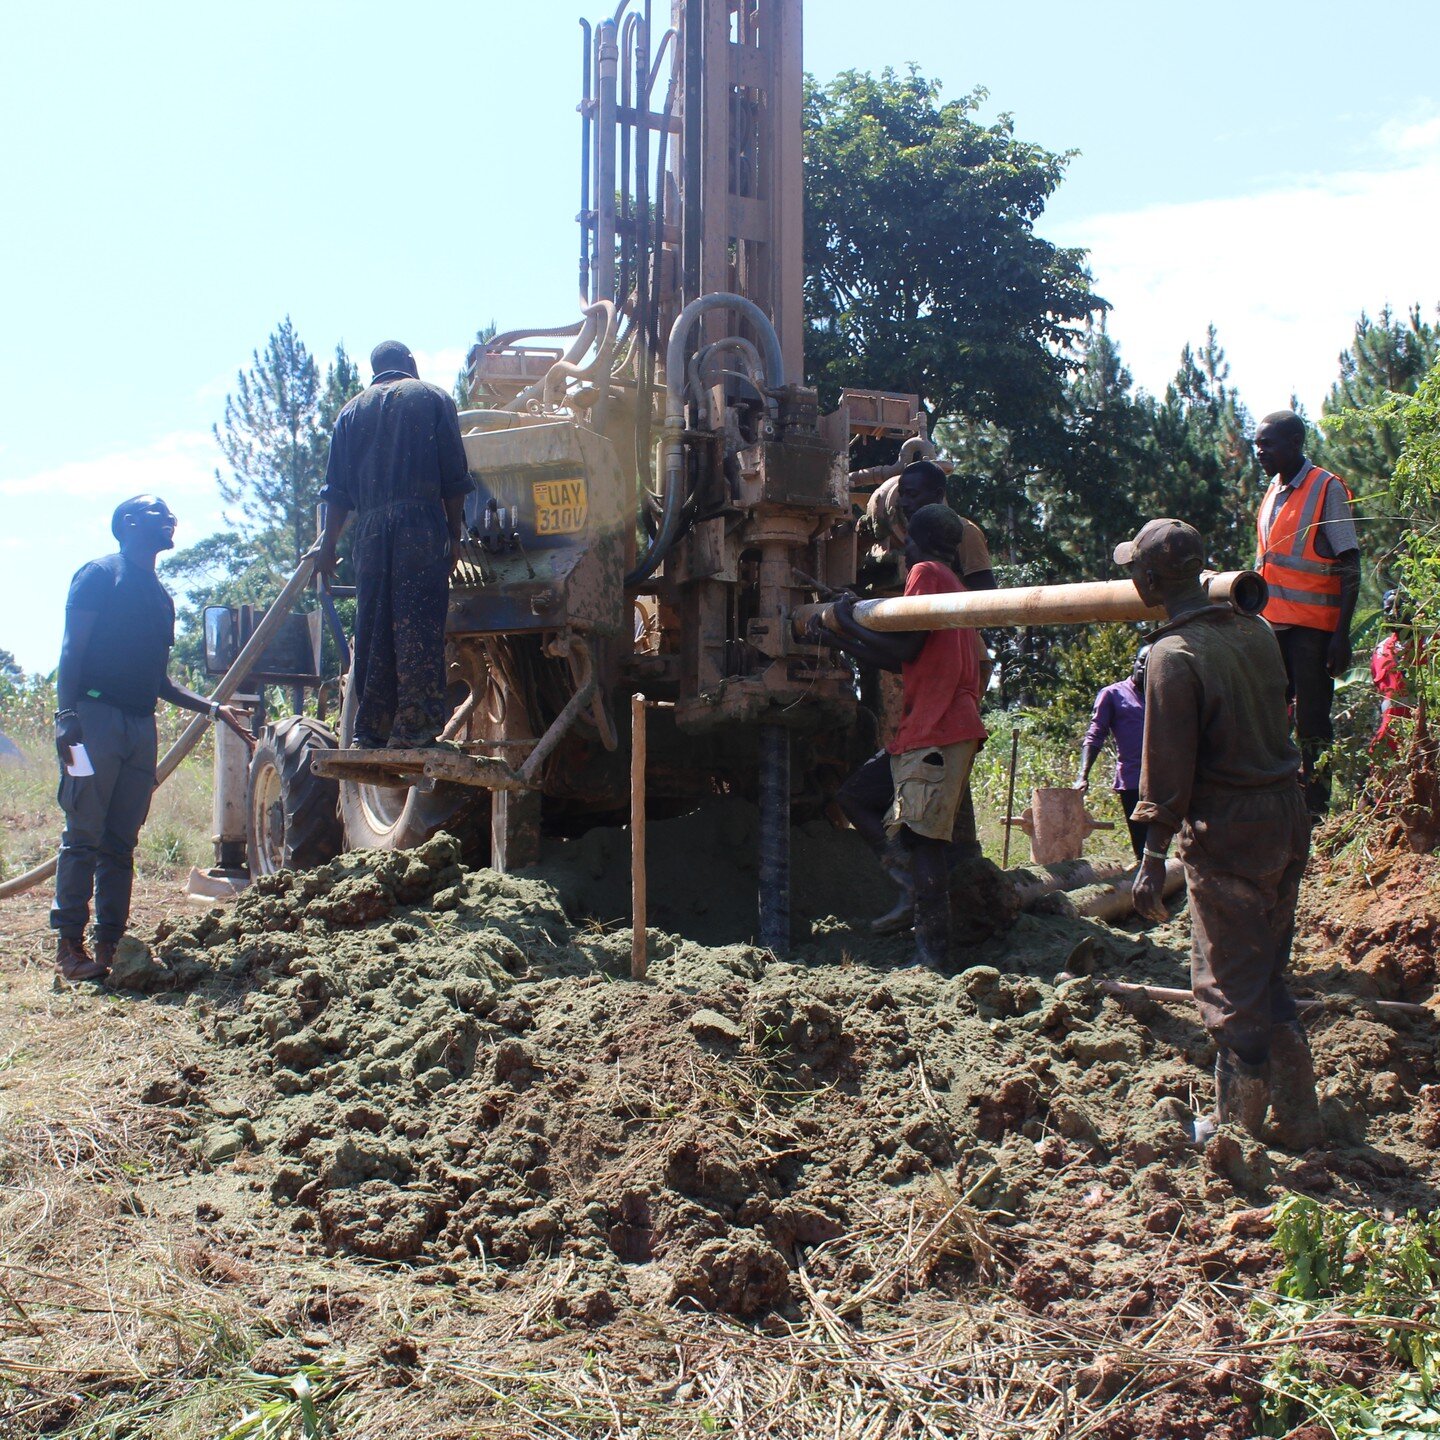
1382, 922
422, 1065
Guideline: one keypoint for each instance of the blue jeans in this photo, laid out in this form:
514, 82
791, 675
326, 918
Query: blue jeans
103, 816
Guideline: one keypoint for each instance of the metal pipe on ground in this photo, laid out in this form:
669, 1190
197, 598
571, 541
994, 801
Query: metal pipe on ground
1114, 901
230, 683
1084, 603
1033, 882
1125, 990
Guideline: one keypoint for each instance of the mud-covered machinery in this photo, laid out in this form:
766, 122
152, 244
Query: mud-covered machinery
653, 480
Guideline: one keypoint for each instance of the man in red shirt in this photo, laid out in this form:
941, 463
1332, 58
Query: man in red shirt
939, 733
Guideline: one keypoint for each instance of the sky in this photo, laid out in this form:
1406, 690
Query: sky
179, 177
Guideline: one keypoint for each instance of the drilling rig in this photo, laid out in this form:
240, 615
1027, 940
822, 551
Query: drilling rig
652, 479
657, 501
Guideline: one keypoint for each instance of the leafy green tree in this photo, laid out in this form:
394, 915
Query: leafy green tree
1363, 437
923, 269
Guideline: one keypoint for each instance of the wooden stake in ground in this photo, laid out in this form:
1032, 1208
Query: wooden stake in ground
637, 837
1010, 797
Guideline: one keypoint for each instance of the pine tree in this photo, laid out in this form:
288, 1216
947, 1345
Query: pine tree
1362, 437
275, 437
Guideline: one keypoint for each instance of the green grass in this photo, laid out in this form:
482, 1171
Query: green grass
175, 837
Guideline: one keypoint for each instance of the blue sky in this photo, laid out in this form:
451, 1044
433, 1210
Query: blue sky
179, 177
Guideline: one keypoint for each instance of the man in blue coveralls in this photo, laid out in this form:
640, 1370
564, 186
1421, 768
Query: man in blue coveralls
398, 464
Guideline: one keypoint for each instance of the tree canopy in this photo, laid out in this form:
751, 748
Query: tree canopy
923, 269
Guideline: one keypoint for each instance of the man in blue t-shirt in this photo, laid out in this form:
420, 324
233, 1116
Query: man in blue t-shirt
119, 627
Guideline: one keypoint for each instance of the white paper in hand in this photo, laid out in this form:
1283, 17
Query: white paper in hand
79, 764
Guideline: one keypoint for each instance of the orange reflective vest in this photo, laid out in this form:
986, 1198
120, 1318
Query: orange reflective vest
1304, 584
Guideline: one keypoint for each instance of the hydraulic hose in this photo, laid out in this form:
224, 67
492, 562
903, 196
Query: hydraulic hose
675, 381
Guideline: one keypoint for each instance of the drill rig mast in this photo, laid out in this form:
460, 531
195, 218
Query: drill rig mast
687, 365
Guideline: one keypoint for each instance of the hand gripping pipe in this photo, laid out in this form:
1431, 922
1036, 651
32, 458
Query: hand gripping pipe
675, 380
1086, 603
230, 683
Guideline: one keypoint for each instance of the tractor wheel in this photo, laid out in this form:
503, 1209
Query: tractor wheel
397, 817
294, 815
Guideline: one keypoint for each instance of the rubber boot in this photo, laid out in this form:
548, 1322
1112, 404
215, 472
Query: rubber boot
73, 961
932, 930
902, 914
1294, 1108
1242, 1092
895, 861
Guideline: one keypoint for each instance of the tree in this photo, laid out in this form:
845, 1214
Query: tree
923, 269
1205, 472
275, 437
1363, 437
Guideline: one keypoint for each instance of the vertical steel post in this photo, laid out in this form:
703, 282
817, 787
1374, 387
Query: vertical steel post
605, 141
775, 838
638, 918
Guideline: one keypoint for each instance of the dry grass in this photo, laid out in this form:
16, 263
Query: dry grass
123, 1314
175, 837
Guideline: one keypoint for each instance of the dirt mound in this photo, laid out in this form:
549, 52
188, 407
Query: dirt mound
1382, 922
425, 1065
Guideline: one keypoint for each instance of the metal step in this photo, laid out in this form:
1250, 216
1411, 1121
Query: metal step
417, 767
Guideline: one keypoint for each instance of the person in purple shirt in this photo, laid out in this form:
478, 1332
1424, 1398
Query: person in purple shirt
1120, 711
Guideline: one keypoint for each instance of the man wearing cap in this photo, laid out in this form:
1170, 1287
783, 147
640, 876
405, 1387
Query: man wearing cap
1309, 554
1219, 768
398, 464
119, 627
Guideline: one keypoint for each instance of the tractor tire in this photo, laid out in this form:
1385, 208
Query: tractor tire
293, 815
397, 817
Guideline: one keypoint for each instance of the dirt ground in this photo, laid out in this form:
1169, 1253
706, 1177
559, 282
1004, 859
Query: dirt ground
399, 1148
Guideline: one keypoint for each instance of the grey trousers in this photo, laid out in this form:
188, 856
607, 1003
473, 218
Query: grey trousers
103, 816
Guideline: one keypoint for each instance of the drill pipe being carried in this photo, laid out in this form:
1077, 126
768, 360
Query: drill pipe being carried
1090, 602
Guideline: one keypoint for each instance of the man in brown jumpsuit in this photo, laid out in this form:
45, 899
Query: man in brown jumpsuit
1220, 768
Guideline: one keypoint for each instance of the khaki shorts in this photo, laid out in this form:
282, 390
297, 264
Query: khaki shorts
929, 785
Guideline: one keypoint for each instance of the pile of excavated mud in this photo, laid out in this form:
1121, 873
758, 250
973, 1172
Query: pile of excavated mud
420, 1064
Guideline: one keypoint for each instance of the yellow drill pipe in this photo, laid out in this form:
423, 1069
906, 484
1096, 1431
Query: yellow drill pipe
1089, 602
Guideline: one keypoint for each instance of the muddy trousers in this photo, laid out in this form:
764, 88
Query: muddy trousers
1244, 853
103, 816
402, 588
1311, 691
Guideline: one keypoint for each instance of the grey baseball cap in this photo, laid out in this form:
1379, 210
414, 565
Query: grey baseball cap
1169, 546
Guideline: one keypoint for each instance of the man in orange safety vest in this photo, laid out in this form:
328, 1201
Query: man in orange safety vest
1309, 554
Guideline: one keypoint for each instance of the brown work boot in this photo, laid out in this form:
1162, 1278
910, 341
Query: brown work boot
1294, 1108
105, 954
73, 962
1242, 1092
